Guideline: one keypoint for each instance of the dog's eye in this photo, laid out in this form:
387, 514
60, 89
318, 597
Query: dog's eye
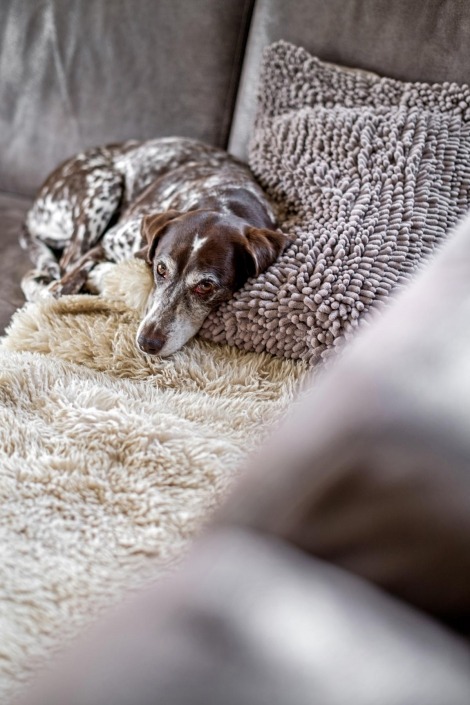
204, 288
162, 271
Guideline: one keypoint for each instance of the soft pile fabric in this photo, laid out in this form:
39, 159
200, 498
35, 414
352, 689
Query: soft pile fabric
372, 173
110, 461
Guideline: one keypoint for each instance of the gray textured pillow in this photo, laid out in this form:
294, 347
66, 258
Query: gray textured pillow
370, 174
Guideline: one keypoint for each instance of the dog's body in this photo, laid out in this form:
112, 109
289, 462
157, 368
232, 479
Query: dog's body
192, 211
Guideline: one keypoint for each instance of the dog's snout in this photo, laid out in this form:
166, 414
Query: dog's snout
151, 345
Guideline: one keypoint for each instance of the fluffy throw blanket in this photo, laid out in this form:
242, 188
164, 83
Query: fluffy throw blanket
109, 462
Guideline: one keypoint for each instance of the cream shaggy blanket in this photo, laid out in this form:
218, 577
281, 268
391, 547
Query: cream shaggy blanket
109, 461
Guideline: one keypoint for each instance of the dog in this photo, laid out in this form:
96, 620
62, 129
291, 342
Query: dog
192, 211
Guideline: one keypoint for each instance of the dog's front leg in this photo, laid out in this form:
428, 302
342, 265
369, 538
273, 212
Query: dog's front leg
74, 281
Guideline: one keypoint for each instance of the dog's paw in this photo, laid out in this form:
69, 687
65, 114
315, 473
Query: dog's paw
54, 290
36, 285
67, 286
96, 282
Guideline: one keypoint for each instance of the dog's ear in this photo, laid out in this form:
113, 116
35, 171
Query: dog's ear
151, 229
261, 247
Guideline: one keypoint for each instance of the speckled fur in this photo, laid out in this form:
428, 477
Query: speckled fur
109, 204
102, 195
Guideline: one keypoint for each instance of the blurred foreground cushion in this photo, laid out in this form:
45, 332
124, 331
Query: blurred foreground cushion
371, 471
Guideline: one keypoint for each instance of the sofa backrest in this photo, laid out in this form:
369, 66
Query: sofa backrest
417, 41
76, 73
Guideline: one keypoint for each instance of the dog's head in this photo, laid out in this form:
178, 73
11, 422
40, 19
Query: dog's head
199, 259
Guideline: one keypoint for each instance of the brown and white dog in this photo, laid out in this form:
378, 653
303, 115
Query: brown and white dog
192, 211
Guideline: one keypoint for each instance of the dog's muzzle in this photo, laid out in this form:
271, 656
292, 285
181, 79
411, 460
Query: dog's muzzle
153, 345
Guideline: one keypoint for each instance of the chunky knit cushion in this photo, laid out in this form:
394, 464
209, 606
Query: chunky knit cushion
369, 173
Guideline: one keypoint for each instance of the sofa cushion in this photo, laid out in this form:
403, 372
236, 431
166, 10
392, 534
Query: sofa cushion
250, 620
371, 471
411, 41
14, 262
370, 172
77, 74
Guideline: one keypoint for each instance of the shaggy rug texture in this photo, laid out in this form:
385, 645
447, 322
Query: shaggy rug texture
110, 461
372, 173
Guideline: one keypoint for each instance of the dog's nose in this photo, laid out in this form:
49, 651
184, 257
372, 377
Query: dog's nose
153, 345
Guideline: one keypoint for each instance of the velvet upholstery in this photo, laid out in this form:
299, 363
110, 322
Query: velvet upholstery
79, 74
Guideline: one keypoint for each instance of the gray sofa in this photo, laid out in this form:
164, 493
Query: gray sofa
350, 621
74, 75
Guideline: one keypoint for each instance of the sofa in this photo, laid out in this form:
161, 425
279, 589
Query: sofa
338, 570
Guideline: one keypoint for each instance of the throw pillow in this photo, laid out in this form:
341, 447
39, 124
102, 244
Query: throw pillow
369, 174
